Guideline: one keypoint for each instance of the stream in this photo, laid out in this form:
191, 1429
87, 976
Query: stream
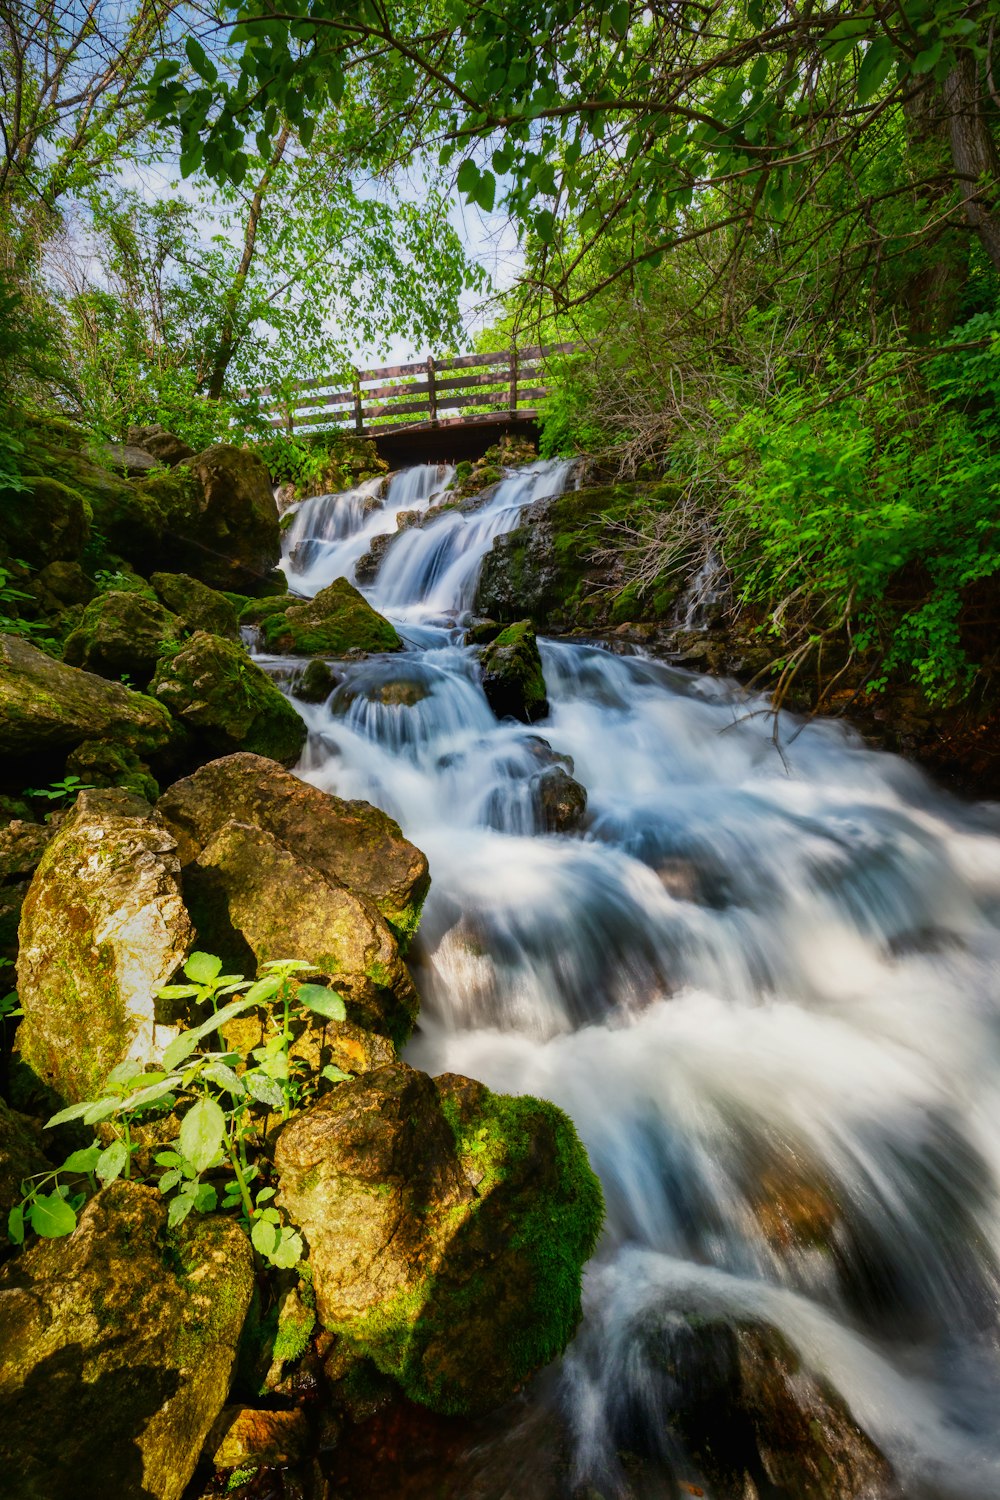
761, 980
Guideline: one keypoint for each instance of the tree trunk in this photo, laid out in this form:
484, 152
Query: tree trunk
931, 294
974, 153
227, 334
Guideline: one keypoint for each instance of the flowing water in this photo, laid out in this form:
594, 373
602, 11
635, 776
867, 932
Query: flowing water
762, 980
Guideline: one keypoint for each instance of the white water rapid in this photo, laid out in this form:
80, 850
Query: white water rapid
753, 979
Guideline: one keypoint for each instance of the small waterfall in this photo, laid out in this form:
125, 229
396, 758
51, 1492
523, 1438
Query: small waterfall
764, 986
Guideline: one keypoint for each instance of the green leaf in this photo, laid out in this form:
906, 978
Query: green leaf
290, 1250
468, 177
264, 989
82, 1161
72, 1112
876, 65
335, 1074
112, 1162
181, 1047
51, 1216
203, 967
264, 1237
205, 1198
224, 1076
925, 61
321, 1001
177, 992
15, 1224
169, 1180
178, 1209
203, 1131
264, 1090
100, 1110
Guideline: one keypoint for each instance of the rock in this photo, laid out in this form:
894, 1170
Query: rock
99, 763
22, 845
21, 1156
336, 621
243, 1435
60, 584
103, 927
482, 632
46, 706
249, 883
367, 566
562, 800
117, 1347
165, 447
350, 843
122, 633
48, 521
213, 516
447, 1229
315, 683
197, 606
512, 675
214, 688
129, 459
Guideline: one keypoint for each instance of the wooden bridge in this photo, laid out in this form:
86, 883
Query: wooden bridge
431, 410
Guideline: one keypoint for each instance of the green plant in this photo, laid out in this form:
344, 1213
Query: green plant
60, 791
217, 1158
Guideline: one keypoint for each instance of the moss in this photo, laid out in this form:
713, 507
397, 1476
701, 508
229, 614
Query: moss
338, 620
512, 674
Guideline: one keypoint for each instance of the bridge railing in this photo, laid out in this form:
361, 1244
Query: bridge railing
429, 392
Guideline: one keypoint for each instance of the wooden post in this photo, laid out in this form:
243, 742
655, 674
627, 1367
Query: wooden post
432, 404
513, 382
359, 421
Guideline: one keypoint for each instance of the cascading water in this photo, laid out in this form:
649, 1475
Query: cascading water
763, 985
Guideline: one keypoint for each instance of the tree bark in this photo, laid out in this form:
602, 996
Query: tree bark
974, 153
227, 334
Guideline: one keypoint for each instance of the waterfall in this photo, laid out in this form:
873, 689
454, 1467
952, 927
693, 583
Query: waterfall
764, 986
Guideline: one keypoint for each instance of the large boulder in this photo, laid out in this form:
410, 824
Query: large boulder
122, 633
215, 689
103, 927
164, 445
196, 605
336, 621
349, 843
47, 706
47, 521
447, 1229
117, 1347
213, 516
247, 882
512, 675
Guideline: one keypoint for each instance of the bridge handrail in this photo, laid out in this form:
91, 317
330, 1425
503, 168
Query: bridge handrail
511, 378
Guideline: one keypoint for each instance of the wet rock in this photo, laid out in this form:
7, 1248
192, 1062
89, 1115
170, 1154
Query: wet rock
482, 632
563, 800
350, 843
215, 689
165, 447
122, 634
336, 621
447, 1229
117, 1347
48, 521
21, 1156
196, 605
244, 1435
249, 883
103, 927
47, 706
315, 683
512, 675
367, 566
59, 585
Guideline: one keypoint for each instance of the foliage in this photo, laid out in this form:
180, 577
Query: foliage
59, 791
218, 1157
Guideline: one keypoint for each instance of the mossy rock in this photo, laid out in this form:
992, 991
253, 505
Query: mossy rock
117, 1347
48, 706
513, 680
196, 605
48, 521
448, 1228
338, 620
101, 763
123, 633
214, 688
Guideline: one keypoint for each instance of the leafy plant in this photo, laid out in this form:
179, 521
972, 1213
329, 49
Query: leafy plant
60, 791
216, 1159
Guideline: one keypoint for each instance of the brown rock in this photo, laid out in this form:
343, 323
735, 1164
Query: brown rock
243, 1435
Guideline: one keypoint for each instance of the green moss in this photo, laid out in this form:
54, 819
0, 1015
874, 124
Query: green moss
512, 674
336, 621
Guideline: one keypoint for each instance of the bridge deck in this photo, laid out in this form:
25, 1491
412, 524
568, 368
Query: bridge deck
448, 408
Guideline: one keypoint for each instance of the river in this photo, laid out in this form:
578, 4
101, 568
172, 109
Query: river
762, 980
